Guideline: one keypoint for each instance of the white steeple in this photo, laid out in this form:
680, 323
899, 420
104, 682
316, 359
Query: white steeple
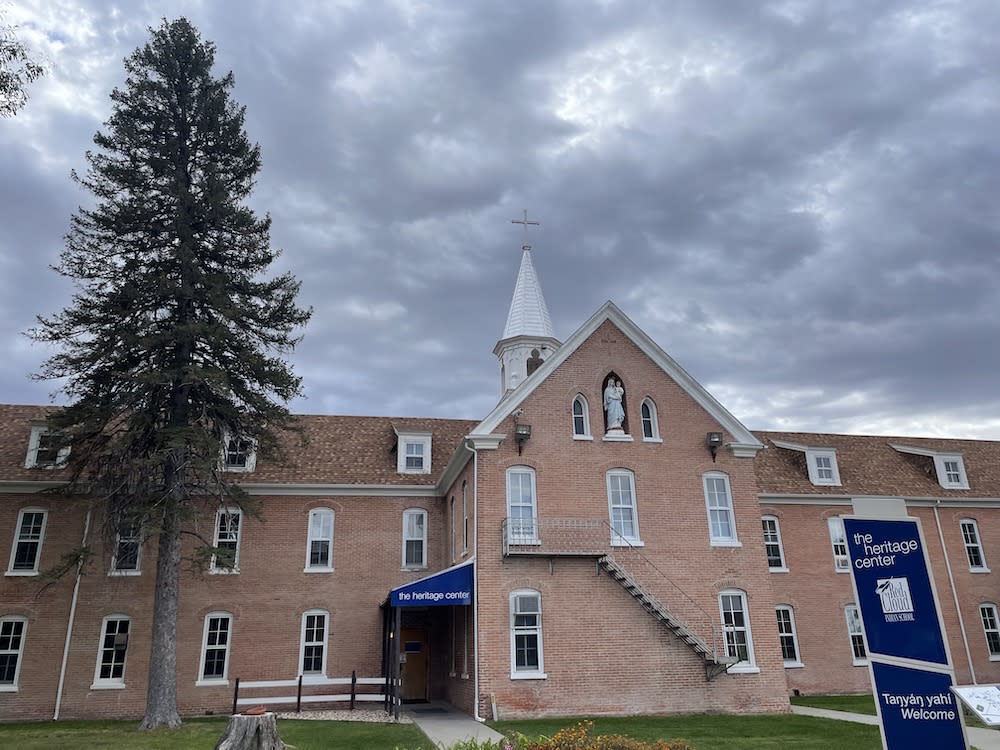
528, 338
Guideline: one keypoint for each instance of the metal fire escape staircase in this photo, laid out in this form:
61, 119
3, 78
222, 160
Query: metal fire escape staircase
632, 570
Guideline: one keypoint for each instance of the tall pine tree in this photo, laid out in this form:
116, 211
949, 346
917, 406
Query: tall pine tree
173, 342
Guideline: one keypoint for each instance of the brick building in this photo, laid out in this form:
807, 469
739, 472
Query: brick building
654, 556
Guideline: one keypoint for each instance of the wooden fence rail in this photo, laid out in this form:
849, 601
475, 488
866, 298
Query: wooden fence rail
309, 683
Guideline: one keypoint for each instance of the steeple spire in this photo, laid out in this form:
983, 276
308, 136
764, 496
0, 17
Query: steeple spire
528, 338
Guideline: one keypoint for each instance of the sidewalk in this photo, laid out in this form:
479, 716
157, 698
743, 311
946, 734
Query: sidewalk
445, 725
982, 739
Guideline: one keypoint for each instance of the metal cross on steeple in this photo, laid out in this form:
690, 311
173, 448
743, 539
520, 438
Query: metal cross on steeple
525, 222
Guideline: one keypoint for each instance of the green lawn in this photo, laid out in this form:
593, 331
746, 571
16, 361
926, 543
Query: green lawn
856, 704
718, 732
202, 734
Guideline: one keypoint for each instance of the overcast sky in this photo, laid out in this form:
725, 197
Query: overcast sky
799, 201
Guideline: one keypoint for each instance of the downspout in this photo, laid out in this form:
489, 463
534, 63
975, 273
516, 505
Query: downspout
954, 593
475, 581
72, 617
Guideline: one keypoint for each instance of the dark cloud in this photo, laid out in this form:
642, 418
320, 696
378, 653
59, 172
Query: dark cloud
795, 199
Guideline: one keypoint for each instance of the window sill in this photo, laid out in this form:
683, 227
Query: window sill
841, 570
979, 570
8, 688
414, 471
452, 674
617, 439
224, 571
21, 573
726, 543
315, 679
627, 543
465, 675
317, 570
994, 657
859, 663
782, 569
108, 686
533, 540
528, 676
124, 573
794, 665
652, 440
748, 669
211, 683
413, 568
583, 437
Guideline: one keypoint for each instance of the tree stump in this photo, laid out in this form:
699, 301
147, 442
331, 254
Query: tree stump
251, 732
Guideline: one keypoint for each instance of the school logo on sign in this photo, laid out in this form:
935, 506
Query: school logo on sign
897, 604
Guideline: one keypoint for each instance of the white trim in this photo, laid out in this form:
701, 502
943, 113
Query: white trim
995, 629
720, 540
250, 463
203, 681
465, 516
313, 677
522, 538
422, 538
797, 661
744, 440
112, 683
654, 421
748, 666
416, 439
813, 457
584, 417
320, 568
34, 442
782, 567
40, 541
941, 458
136, 539
12, 687
838, 537
524, 630
617, 537
857, 661
214, 568
977, 544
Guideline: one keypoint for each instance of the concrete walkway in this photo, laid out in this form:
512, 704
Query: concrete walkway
445, 725
982, 739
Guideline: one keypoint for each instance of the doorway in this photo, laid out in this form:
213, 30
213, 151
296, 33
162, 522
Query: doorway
413, 664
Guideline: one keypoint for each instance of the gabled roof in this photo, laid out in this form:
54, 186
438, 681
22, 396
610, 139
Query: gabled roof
742, 437
871, 465
528, 314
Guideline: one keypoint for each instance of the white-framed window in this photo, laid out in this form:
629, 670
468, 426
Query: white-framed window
719, 503
526, 661
522, 515
823, 467
12, 633
312, 658
786, 636
112, 652
128, 550
621, 507
838, 541
239, 453
414, 538
454, 530
465, 517
991, 629
856, 634
413, 453
736, 629
26, 550
226, 558
772, 544
950, 467
215, 649
581, 418
319, 544
650, 424
973, 547
44, 451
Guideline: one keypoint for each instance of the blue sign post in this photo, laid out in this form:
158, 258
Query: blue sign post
910, 665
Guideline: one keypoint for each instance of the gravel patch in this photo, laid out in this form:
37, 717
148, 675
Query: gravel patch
370, 715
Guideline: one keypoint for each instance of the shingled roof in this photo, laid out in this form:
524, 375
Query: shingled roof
336, 449
869, 465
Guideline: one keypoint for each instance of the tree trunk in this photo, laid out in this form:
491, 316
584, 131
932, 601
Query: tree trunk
161, 696
258, 732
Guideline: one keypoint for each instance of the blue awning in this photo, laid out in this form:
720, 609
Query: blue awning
449, 587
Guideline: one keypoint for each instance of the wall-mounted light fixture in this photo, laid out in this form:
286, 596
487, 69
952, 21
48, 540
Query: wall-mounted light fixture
714, 441
522, 433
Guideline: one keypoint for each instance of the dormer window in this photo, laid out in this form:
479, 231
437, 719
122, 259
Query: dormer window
949, 467
413, 453
44, 450
820, 462
239, 453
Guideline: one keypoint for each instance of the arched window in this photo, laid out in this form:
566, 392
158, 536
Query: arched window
526, 660
581, 417
650, 426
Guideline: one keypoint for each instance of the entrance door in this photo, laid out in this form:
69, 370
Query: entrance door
413, 666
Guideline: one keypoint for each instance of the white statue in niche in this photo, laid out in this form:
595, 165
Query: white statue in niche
613, 393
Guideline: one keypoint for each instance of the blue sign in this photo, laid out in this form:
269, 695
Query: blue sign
894, 590
917, 708
452, 586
